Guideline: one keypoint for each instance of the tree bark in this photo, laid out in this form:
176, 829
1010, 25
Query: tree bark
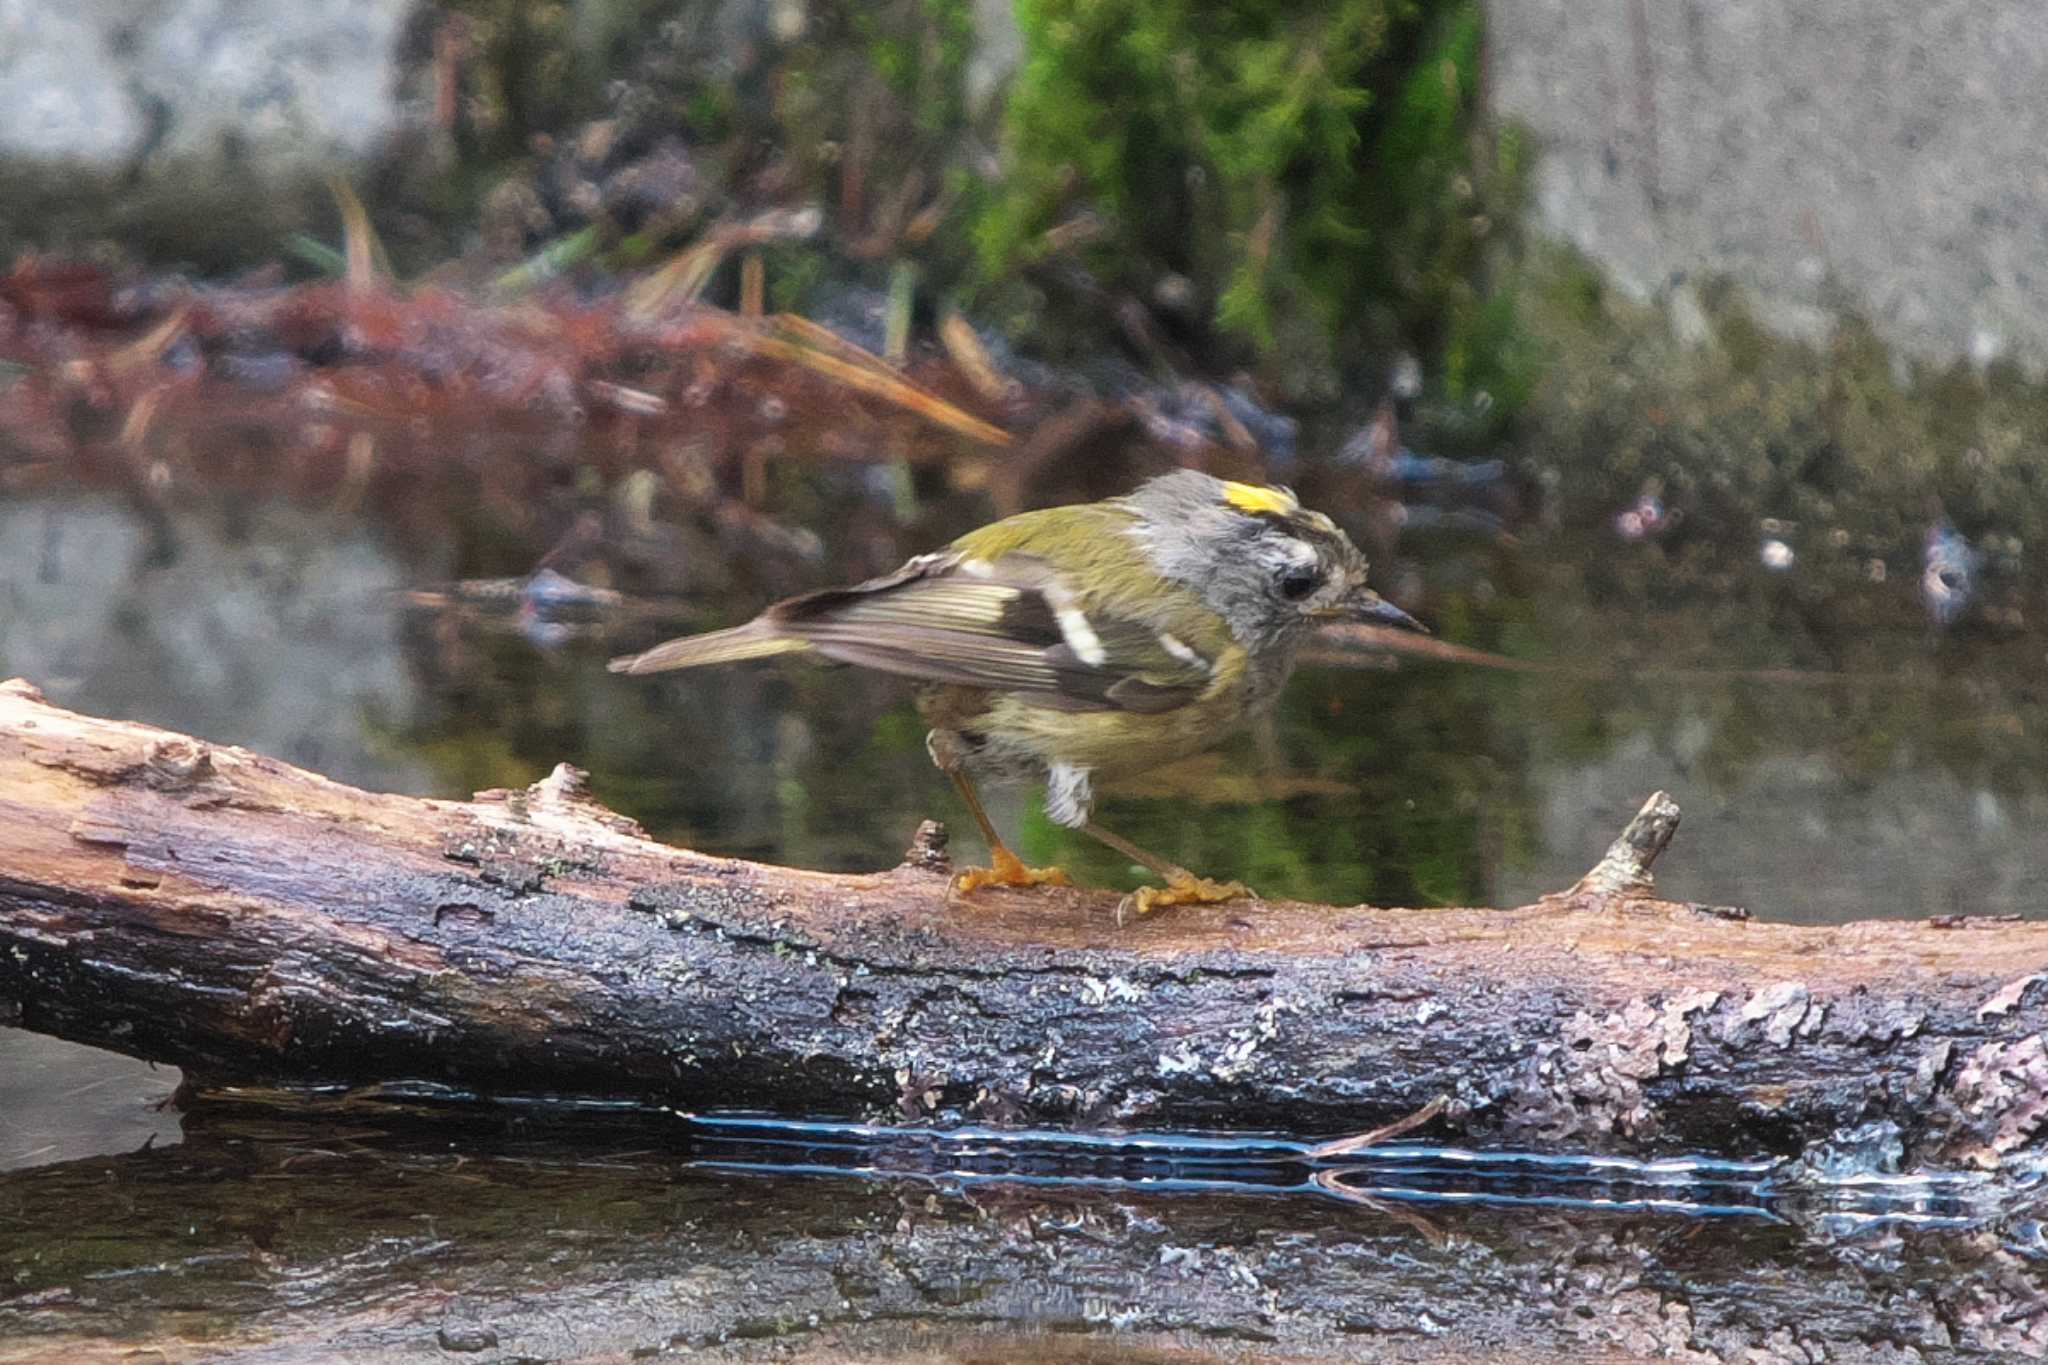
249, 921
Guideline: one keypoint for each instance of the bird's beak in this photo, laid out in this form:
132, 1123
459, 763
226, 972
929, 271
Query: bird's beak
1369, 607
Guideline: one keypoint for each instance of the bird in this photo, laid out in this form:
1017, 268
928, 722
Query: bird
1080, 643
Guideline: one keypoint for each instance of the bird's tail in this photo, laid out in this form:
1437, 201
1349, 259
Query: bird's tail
753, 640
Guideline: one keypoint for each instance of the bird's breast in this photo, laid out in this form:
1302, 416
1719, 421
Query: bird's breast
1116, 742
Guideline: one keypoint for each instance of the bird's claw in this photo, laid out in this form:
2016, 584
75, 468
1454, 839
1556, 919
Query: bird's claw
1181, 891
1007, 869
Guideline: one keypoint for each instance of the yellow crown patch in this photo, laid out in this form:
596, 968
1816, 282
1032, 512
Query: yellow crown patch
1250, 497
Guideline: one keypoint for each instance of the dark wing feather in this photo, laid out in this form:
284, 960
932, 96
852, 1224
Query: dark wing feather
997, 626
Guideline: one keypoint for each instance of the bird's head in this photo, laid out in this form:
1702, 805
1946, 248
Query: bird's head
1270, 566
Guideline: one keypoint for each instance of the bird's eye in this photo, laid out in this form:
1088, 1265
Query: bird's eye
1296, 584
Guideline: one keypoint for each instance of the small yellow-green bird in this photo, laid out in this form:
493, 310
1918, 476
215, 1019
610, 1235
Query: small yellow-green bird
1075, 642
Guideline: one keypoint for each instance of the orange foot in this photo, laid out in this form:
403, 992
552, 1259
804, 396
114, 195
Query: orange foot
1006, 869
1188, 890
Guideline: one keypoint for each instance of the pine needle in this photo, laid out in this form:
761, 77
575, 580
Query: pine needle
753, 285
679, 281
902, 299
971, 358
682, 279
366, 267
147, 349
848, 364
317, 254
550, 261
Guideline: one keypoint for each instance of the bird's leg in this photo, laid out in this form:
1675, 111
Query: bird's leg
1182, 886
1004, 867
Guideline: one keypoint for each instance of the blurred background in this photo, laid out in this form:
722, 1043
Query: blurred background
369, 372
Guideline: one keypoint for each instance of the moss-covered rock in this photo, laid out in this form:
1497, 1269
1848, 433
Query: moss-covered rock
1847, 445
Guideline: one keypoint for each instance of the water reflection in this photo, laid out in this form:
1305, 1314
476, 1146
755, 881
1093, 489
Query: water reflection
249, 622
268, 1238
1393, 1173
64, 1101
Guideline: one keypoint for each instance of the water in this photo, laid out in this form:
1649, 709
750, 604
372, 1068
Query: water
1835, 758
269, 1237
66, 1101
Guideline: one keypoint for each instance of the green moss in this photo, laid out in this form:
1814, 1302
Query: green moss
1842, 439
1298, 164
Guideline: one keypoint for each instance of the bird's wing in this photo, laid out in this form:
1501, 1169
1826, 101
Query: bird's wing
1009, 623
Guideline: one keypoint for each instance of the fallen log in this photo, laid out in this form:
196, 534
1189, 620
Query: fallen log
252, 922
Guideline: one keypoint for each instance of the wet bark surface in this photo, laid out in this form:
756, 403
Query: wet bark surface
249, 921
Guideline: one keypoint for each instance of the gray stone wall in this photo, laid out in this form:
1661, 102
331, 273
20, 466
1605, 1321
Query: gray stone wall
1888, 157
106, 83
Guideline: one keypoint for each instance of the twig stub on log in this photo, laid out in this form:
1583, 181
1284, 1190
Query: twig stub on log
1625, 868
